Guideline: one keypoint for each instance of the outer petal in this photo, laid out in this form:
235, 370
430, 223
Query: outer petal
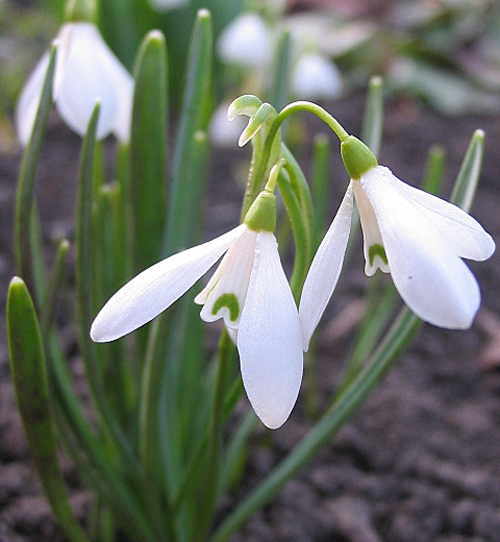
463, 232
156, 288
269, 339
325, 270
29, 101
433, 281
91, 72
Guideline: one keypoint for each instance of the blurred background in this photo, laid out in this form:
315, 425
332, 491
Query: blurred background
445, 52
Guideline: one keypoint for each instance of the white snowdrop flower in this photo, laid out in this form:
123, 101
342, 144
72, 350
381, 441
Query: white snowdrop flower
166, 5
316, 77
246, 42
249, 291
86, 71
417, 237
223, 132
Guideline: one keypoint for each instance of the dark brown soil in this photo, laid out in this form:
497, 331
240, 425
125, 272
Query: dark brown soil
419, 463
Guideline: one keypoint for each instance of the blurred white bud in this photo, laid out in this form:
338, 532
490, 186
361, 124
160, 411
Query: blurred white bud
246, 41
316, 77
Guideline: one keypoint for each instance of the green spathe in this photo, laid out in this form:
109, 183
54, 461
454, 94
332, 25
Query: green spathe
262, 214
78, 11
357, 157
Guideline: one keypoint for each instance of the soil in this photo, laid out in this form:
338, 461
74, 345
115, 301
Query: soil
420, 462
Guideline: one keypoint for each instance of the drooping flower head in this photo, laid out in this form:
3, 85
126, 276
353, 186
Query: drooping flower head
249, 291
417, 237
86, 71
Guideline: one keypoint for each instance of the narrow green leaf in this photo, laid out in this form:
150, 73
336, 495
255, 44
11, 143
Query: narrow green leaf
148, 149
434, 170
85, 294
26, 182
371, 132
320, 187
181, 223
30, 382
278, 96
468, 176
53, 287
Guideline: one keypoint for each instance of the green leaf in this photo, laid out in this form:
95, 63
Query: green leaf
278, 95
181, 222
371, 132
467, 180
148, 148
85, 294
30, 383
320, 188
26, 182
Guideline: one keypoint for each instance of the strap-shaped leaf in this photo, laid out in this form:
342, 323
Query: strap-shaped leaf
148, 149
26, 182
30, 382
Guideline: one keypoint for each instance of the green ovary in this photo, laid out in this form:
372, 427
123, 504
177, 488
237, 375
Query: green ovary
377, 250
231, 302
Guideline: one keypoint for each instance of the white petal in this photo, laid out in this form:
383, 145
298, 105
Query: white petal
156, 288
246, 41
373, 246
269, 338
29, 100
463, 232
325, 270
225, 294
91, 72
433, 281
316, 77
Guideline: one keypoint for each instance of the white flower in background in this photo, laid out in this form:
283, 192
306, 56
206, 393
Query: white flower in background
249, 290
166, 5
86, 71
223, 132
316, 77
246, 42
417, 237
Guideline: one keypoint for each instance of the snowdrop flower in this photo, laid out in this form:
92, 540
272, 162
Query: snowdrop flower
249, 291
246, 42
316, 77
86, 70
419, 238
223, 132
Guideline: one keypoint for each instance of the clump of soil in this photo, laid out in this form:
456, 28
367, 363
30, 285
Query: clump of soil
418, 463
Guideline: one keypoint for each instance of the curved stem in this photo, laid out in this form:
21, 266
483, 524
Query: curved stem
284, 114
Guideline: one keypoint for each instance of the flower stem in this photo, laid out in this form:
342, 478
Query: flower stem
283, 115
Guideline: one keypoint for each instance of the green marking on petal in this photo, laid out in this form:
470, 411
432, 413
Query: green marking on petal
231, 302
377, 250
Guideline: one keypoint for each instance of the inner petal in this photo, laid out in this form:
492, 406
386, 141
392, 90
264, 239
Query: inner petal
225, 294
375, 256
